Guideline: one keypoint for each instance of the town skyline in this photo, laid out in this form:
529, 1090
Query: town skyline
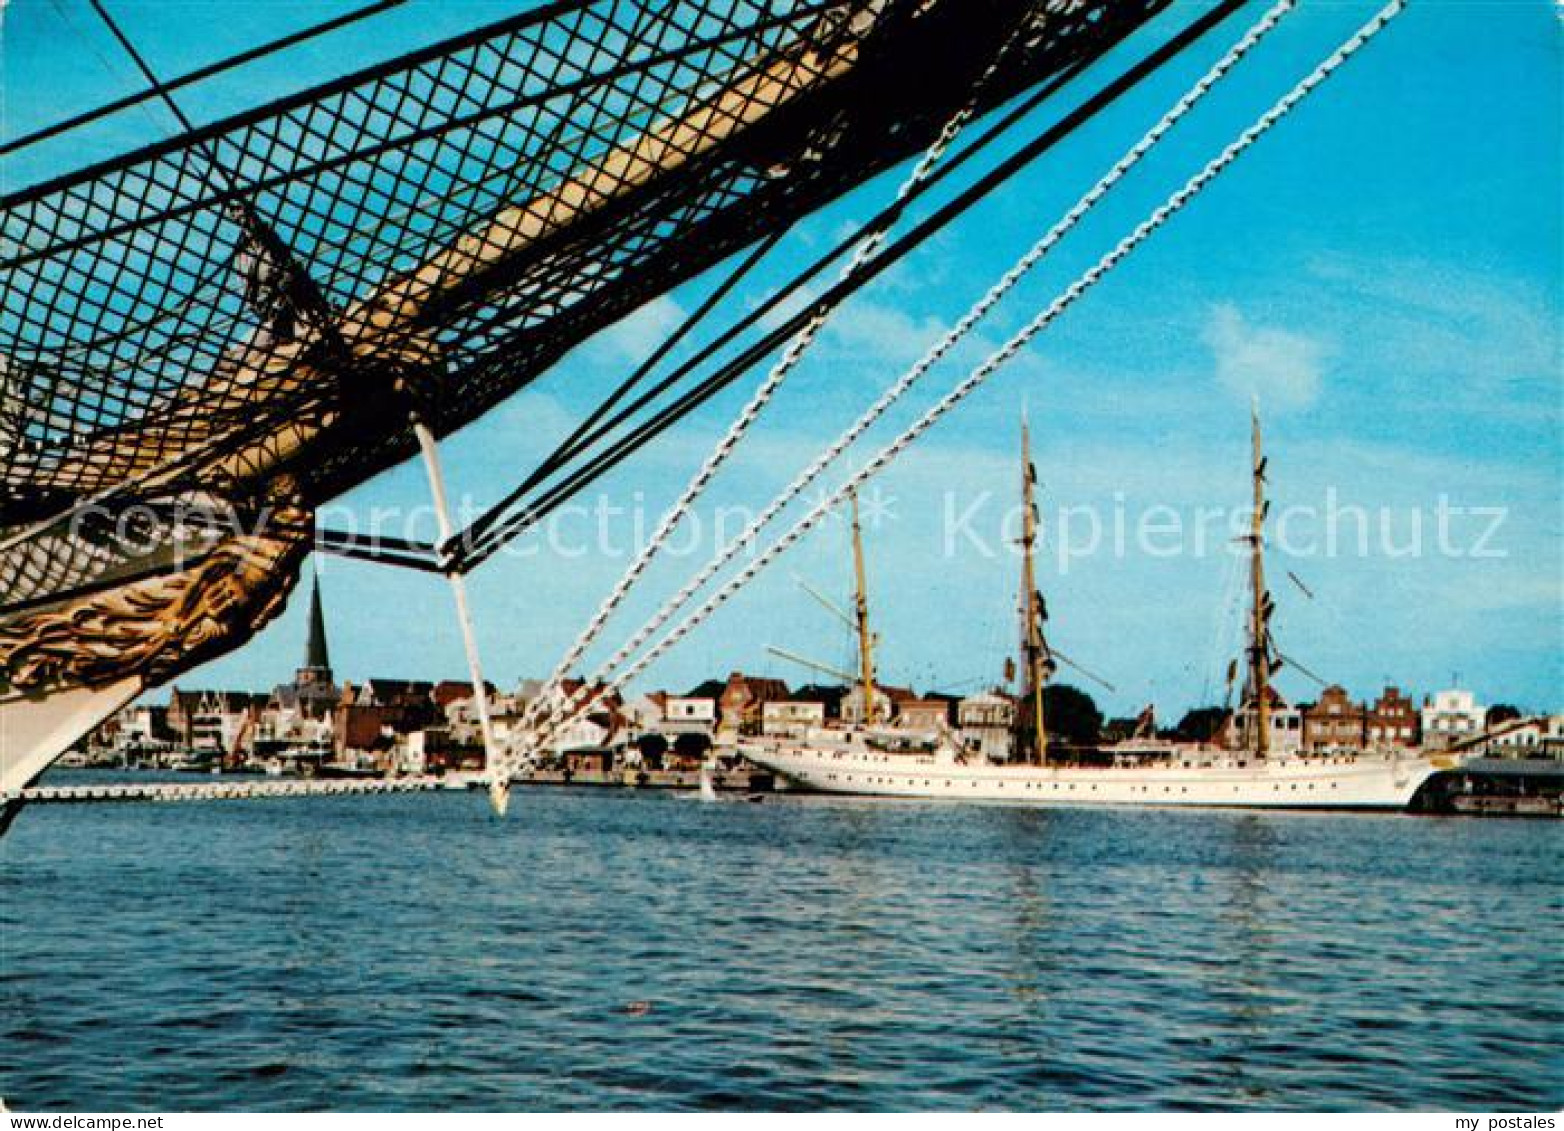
315, 679
311, 725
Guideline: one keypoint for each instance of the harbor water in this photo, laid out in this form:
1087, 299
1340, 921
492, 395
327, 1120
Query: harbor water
610, 949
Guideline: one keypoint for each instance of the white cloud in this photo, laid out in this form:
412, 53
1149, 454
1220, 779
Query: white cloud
1280, 366
1489, 341
637, 335
877, 333
775, 318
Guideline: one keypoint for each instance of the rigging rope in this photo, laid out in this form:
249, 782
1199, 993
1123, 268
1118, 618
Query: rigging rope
479, 544
952, 337
483, 522
1005, 353
758, 400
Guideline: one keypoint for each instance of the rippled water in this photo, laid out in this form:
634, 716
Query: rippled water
603, 949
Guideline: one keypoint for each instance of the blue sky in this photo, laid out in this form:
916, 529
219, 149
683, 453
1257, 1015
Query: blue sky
1383, 271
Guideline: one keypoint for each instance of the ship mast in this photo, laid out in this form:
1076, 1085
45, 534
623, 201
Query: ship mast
1036, 660
861, 618
1258, 689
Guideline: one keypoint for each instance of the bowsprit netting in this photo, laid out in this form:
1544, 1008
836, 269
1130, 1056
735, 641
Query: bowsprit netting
238, 303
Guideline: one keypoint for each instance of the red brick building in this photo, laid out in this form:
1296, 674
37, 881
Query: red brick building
449, 691
1394, 720
1334, 723
740, 703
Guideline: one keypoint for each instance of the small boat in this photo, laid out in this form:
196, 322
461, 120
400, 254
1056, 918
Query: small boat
339, 771
1495, 805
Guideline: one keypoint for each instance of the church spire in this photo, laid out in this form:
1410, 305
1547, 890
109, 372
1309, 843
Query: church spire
316, 657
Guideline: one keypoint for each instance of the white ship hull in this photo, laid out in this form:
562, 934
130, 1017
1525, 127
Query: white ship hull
1345, 782
35, 729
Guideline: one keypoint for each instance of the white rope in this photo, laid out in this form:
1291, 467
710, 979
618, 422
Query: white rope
974, 315
546, 701
499, 783
1005, 353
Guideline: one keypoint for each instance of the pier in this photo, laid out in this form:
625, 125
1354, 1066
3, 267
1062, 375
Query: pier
254, 789
227, 790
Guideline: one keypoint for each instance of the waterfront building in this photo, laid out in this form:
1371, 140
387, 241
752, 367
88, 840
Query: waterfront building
742, 700
1335, 723
929, 713
407, 694
986, 722
889, 702
645, 712
460, 711
885, 699
584, 735
143, 724
685, 711
365, 729
214, 722
603, 702
433, 749
952, 704
664, 731
790, 718
1450, 717
372, 716
1536, 736
415, 754
828, 695
282, 733
589, 760
449, 691
1393, 721
135, 735
680, 735
600, 717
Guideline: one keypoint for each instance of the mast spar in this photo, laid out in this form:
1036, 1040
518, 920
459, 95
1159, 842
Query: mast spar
1258, 691
1037, 661
861, 617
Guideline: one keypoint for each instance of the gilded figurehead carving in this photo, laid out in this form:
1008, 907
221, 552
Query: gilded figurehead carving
157, 627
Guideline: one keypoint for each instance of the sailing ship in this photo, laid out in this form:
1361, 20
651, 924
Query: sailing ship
1254, 770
